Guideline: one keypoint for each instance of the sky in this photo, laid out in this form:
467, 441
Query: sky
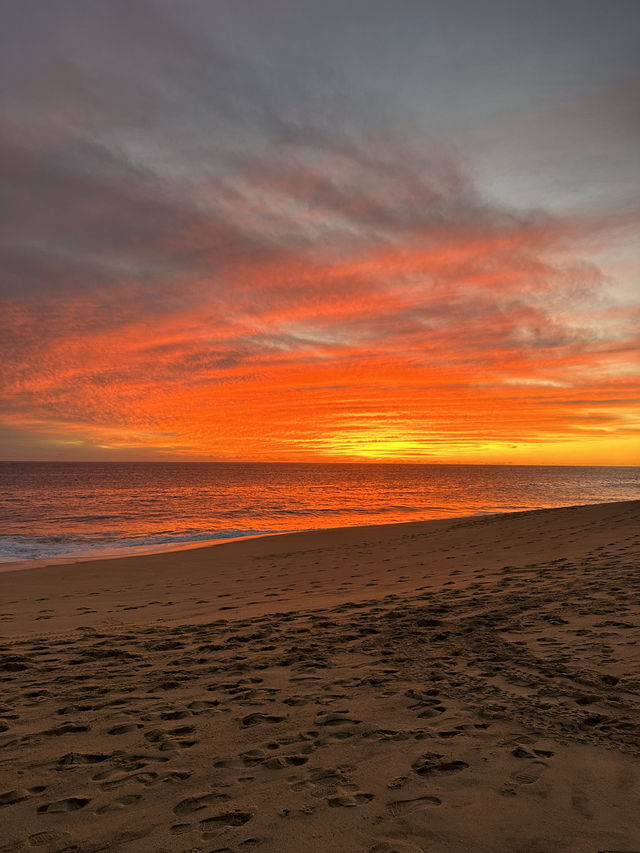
307, 230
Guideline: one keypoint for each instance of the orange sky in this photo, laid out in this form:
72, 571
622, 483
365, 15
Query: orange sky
330, 241
453, 346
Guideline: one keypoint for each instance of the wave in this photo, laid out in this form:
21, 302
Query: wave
22, 548
278, 511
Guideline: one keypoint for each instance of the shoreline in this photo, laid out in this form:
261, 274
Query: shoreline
142, 551
139, 551
115, 553
88, 556
455, 685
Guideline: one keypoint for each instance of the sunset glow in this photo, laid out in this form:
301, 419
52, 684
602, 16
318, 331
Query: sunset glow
211, 256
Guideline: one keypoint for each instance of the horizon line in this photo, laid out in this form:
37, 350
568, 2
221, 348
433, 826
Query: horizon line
302, 462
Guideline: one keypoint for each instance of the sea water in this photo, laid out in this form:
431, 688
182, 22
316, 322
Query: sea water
67, 509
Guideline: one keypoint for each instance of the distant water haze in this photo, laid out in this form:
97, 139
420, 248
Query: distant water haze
64, 509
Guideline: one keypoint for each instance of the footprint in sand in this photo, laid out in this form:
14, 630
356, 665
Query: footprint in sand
296, 701
432, 763
74, 758
255, 719
331, 782
124, 728
199, 706
402, 807
175, 715
194, 804
71, 804
116, 781
10, 798
254, 757
172, 739
212, 826
335, 718
526, 777
349, 800
39, 839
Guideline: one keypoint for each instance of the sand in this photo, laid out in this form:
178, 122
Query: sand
447, 687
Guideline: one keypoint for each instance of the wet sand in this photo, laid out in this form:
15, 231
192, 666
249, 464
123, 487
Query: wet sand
447, 687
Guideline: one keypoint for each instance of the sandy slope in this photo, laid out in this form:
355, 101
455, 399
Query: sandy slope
465, 685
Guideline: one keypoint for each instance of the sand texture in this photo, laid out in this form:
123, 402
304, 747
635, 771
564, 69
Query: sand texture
445, 687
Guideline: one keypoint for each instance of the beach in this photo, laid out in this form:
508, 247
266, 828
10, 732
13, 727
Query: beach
448, 686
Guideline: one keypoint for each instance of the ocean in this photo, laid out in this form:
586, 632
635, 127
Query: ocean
67, 509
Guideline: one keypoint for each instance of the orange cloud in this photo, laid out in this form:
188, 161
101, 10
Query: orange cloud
371, 311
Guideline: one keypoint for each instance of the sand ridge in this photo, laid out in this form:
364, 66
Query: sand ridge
461, 685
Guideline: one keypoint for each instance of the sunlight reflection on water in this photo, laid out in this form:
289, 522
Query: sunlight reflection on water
55, 509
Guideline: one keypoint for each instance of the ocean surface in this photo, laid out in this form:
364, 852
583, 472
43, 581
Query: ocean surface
63, 509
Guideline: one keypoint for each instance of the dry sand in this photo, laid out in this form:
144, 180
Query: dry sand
460, 685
